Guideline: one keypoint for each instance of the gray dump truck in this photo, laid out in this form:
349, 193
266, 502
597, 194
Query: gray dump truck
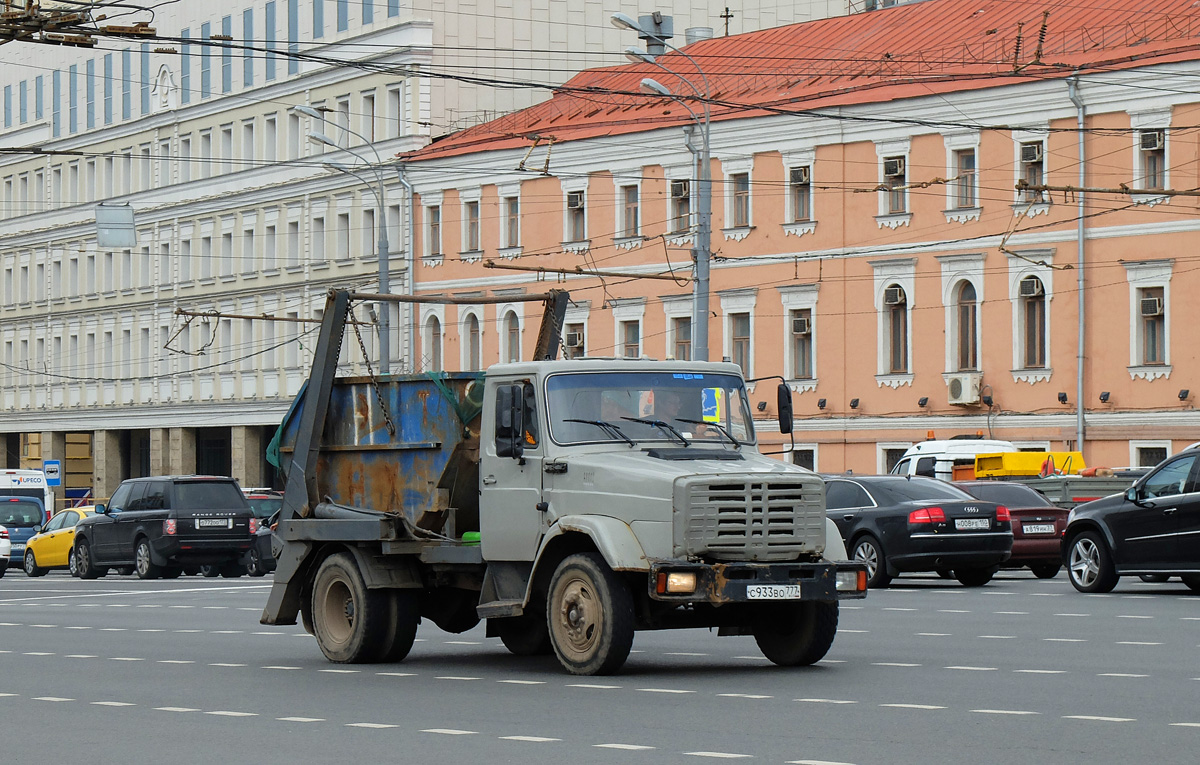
569, 503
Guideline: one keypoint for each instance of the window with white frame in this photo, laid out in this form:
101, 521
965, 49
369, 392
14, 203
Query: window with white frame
738, 309
510, 338
471, 340
895, 302
512, 222
799, 304
630, 212
740, 199
432, 340
574, 340
964, 179
1152, 156
962, 294
1031, 275
895, 175
1150, 327
805, 455
1152, 310
628, 314
433, 230
576, 216
1033, 322
681, 205
895, 281
1148, 453
471, 226
681, 338
966, 327
631, 338
801, 339
1031, 164
800, 194
888, 454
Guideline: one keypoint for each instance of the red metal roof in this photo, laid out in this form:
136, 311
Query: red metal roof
906, 51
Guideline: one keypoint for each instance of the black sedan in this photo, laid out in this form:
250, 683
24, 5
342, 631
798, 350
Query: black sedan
896, 524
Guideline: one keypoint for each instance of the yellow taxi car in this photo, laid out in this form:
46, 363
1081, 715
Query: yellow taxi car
53, 547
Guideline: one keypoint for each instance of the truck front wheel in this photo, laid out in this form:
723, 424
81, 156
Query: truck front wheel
349, 620
796, 634
589, 616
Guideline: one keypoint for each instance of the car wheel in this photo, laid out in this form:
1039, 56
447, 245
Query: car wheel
143, 564
1192, 581
31, 566
796, 634
974, 577
1153, 578
589, 615
868, 552
173, 572
232, 570
1089, 564
254, 566
209, 571
944, 573
1045, 570
85, 567
71, 567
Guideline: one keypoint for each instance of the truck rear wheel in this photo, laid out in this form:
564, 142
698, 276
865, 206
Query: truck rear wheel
525, 635
401, 629
349, 620
589, 616
796, 634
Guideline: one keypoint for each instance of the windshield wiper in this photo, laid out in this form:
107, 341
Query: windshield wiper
607, 427
661, 425
736, 443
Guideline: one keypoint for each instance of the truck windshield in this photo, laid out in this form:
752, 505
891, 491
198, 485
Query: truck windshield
578, 401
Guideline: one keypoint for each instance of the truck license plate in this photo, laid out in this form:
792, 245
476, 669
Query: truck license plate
773, 592
1038, 528
972, 524
214, 523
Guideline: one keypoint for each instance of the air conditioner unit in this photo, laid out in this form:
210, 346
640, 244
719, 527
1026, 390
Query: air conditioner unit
800, 175
680, 189
964, 388
1031, 287
1152, 306
800, 325
574, 340
1031, 152
893, 296
575, 200
893, 167
1153, 140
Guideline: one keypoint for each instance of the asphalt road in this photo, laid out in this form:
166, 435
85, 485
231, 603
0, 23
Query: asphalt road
1020, 671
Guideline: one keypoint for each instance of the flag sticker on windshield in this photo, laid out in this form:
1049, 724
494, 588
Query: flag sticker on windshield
712, 404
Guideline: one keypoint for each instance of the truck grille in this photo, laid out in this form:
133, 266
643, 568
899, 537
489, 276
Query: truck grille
750, 519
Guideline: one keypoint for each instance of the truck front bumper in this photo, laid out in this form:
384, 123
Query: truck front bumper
717, 583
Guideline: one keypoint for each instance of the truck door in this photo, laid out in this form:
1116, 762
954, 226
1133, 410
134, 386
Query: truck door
510, 524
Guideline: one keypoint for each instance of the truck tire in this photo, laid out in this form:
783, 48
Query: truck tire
401, 628
349, 621
525, 635
589, 616
796, 634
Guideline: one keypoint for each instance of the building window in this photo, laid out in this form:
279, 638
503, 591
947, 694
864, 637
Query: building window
802, 344
964, 184
433, 344
896, 304
629, 215
1153, 308
800, 191
574, 341
681, 330
631, 339
741, 199
739, 340
1152, 146
891, 456
1150, 456
894, 178
1033, 316
435, 229
805, 458
471, 231
967, 308
512, 337
474, 343
681, 206
1033, 170
576, 219
512, 222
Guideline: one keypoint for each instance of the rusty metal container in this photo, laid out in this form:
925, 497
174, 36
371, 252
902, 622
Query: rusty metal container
427, 469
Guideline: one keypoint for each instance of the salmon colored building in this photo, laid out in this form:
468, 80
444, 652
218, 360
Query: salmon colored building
870, 244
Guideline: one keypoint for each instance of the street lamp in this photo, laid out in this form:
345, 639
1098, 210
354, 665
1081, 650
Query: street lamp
377, 190
702, 251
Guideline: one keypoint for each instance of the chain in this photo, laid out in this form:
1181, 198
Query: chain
387, 417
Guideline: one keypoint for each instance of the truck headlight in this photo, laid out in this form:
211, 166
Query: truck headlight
851, 581
681, 582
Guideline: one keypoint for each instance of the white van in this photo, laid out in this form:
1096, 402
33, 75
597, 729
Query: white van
937, 459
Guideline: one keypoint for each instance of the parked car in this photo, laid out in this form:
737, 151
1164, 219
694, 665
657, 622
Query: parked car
5, 550
258, 560
1037, 524
164, 524
22, 516
53, 546
896, 524
1153, 529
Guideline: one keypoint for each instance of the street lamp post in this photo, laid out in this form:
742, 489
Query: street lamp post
382, 247
702, 251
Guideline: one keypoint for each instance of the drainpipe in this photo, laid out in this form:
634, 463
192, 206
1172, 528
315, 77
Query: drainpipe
1073, 94
410, 249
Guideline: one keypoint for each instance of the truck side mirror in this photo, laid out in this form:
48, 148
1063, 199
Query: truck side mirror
510, 421
784, 407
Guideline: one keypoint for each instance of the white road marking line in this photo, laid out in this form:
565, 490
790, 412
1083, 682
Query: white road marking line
592, 685
451, 731
1099, 719
933, 634
77, 628
454, 677
683, 653
912, 706
997, 637
894, 608
341, 671
624, 747
1190, 618
397, 674
893, 664
226, 632
1119, 674
278, 667
151, 630
266, 633
461, 642
1186, 725
851, 608
827, 701
1072, 614
857, 632
301, 719
523, 682
80, 656
1133, 616
124, 658
118, 605
44, 626
9, 624
38, 653
223, 664
187, 631
215, 608
530, 739
1135, 642
370, 725
998, 592
223, 713
7, 695
662, 690
1004, 712
181, 606
1042, 671
1137, 597
113, 629
113, 704
1012, 613
50, 698
952, 611
973, 669
719, 755
176, 661
745, 696
146, 605
175, 709
817, 762
832, 661
752, 658
1065, 640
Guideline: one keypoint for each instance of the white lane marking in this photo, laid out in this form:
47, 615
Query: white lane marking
1005, 712
118, 605
175, 661
817, 762
1012, 613
851, 608
50, 698
144, 605
1135, 642
113, 704
530, 739
113, 629
80, 656
624, 747
461, 642
370, 725
912, 706
952, 611
523, 682
77, 628
832, 661
397, 674
1133, 616
181, 632
176, 709
894, 608
591, 685
38, 653
1186, 725
280, 667
1190, 618
683, 653
745, 696
151, 630
1042, 671
1065, 640
752, 658
224, 713
266, 633
893, 664
123, 593
1072, 614
1119, 674
301, 719
719, 755
7, 695
1095, 718
997, 637
973, 669
827, 701
451, 731
933, 634
181, 606
857, 632
226, 632
1137, 597
44, 626
454, 677
223, 664
663, 690
341, 671
215, 608
124, 658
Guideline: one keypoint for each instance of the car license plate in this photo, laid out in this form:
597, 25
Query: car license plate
972, 524
18, 549
1038, 528
214, 523
773, 592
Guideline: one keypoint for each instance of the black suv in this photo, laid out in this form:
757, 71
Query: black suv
163, 525
1151, 529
